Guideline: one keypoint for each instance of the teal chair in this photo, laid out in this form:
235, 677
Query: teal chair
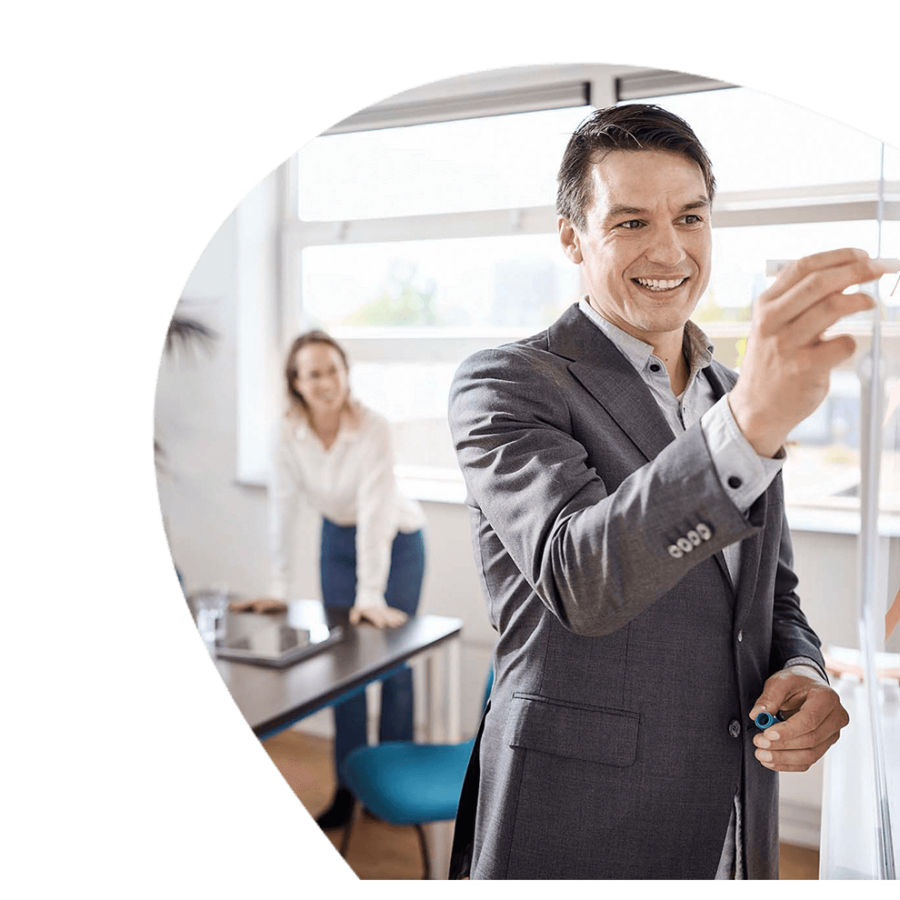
405, 783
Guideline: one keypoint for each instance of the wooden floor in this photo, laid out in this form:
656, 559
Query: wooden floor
381, 851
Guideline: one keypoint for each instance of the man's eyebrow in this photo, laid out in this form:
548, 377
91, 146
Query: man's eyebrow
617, 211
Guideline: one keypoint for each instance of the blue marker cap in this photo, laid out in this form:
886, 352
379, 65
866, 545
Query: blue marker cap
764, 720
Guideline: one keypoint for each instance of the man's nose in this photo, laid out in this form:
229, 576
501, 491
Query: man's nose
666, 248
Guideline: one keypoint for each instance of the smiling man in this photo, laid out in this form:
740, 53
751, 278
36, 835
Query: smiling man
628, 519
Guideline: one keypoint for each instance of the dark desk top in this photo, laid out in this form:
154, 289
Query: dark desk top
273, 699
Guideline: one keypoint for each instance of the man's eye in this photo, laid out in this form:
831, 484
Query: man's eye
692, 219
631, 224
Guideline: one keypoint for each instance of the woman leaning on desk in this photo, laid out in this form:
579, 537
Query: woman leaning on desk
336, 455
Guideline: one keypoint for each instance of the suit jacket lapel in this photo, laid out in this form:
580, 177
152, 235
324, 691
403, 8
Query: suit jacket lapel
611, 380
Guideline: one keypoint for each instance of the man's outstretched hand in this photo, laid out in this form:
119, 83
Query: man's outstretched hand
785, 373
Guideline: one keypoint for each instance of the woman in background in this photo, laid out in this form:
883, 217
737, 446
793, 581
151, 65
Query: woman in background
336, 455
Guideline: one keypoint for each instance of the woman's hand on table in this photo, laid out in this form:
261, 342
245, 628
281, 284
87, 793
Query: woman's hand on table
379, 616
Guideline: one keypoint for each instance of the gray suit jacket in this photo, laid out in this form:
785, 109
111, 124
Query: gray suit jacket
617, 733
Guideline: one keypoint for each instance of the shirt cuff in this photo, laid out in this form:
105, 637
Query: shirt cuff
369, 600
744, 474
806, 661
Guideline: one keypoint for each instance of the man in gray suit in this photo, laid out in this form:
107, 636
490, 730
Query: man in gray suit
629, 528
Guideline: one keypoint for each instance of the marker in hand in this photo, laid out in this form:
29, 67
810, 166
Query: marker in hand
765, 719
774, 266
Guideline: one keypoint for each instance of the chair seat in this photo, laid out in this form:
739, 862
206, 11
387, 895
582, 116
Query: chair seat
406, 783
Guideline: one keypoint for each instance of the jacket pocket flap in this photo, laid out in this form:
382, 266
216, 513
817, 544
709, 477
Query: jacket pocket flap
593, 733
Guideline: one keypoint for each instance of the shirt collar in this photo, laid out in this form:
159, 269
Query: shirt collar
698, 347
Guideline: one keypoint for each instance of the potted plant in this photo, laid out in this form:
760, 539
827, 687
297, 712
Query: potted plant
184, 332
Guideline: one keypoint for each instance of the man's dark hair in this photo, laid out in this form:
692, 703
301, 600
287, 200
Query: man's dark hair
635, 126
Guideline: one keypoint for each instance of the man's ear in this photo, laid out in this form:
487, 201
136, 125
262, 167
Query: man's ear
568, 237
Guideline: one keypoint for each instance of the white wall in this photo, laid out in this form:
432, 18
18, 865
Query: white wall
217, 527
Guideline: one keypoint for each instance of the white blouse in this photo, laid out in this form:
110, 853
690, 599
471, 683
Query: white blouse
350, 483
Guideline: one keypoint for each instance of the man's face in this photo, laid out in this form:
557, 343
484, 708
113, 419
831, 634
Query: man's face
646, 246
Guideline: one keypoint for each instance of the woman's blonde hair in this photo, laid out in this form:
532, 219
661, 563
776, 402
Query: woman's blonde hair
296, 404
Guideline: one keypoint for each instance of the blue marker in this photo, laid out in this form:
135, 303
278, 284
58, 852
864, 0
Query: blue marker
764, 720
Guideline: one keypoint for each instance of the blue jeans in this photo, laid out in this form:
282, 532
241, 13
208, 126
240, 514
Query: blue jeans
338, 581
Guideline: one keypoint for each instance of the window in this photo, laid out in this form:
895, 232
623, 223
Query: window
500, 162
417, 245
478, 285
759, 143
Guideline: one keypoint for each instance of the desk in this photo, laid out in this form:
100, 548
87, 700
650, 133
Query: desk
274, 699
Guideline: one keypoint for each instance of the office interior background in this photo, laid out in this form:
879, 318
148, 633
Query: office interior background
423, 228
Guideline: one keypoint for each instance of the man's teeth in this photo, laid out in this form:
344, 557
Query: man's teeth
660, 285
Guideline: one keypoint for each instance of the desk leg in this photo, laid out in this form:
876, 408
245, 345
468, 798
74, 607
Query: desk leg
454, 734
440, 843
434, 684
440, 834
442, 675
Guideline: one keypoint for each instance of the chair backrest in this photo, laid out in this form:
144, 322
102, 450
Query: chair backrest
488, 686
487, 696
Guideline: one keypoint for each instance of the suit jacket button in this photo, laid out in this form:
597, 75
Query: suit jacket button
734, 729
674, 552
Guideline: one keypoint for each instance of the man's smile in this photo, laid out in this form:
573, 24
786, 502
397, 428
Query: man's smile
656, 285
